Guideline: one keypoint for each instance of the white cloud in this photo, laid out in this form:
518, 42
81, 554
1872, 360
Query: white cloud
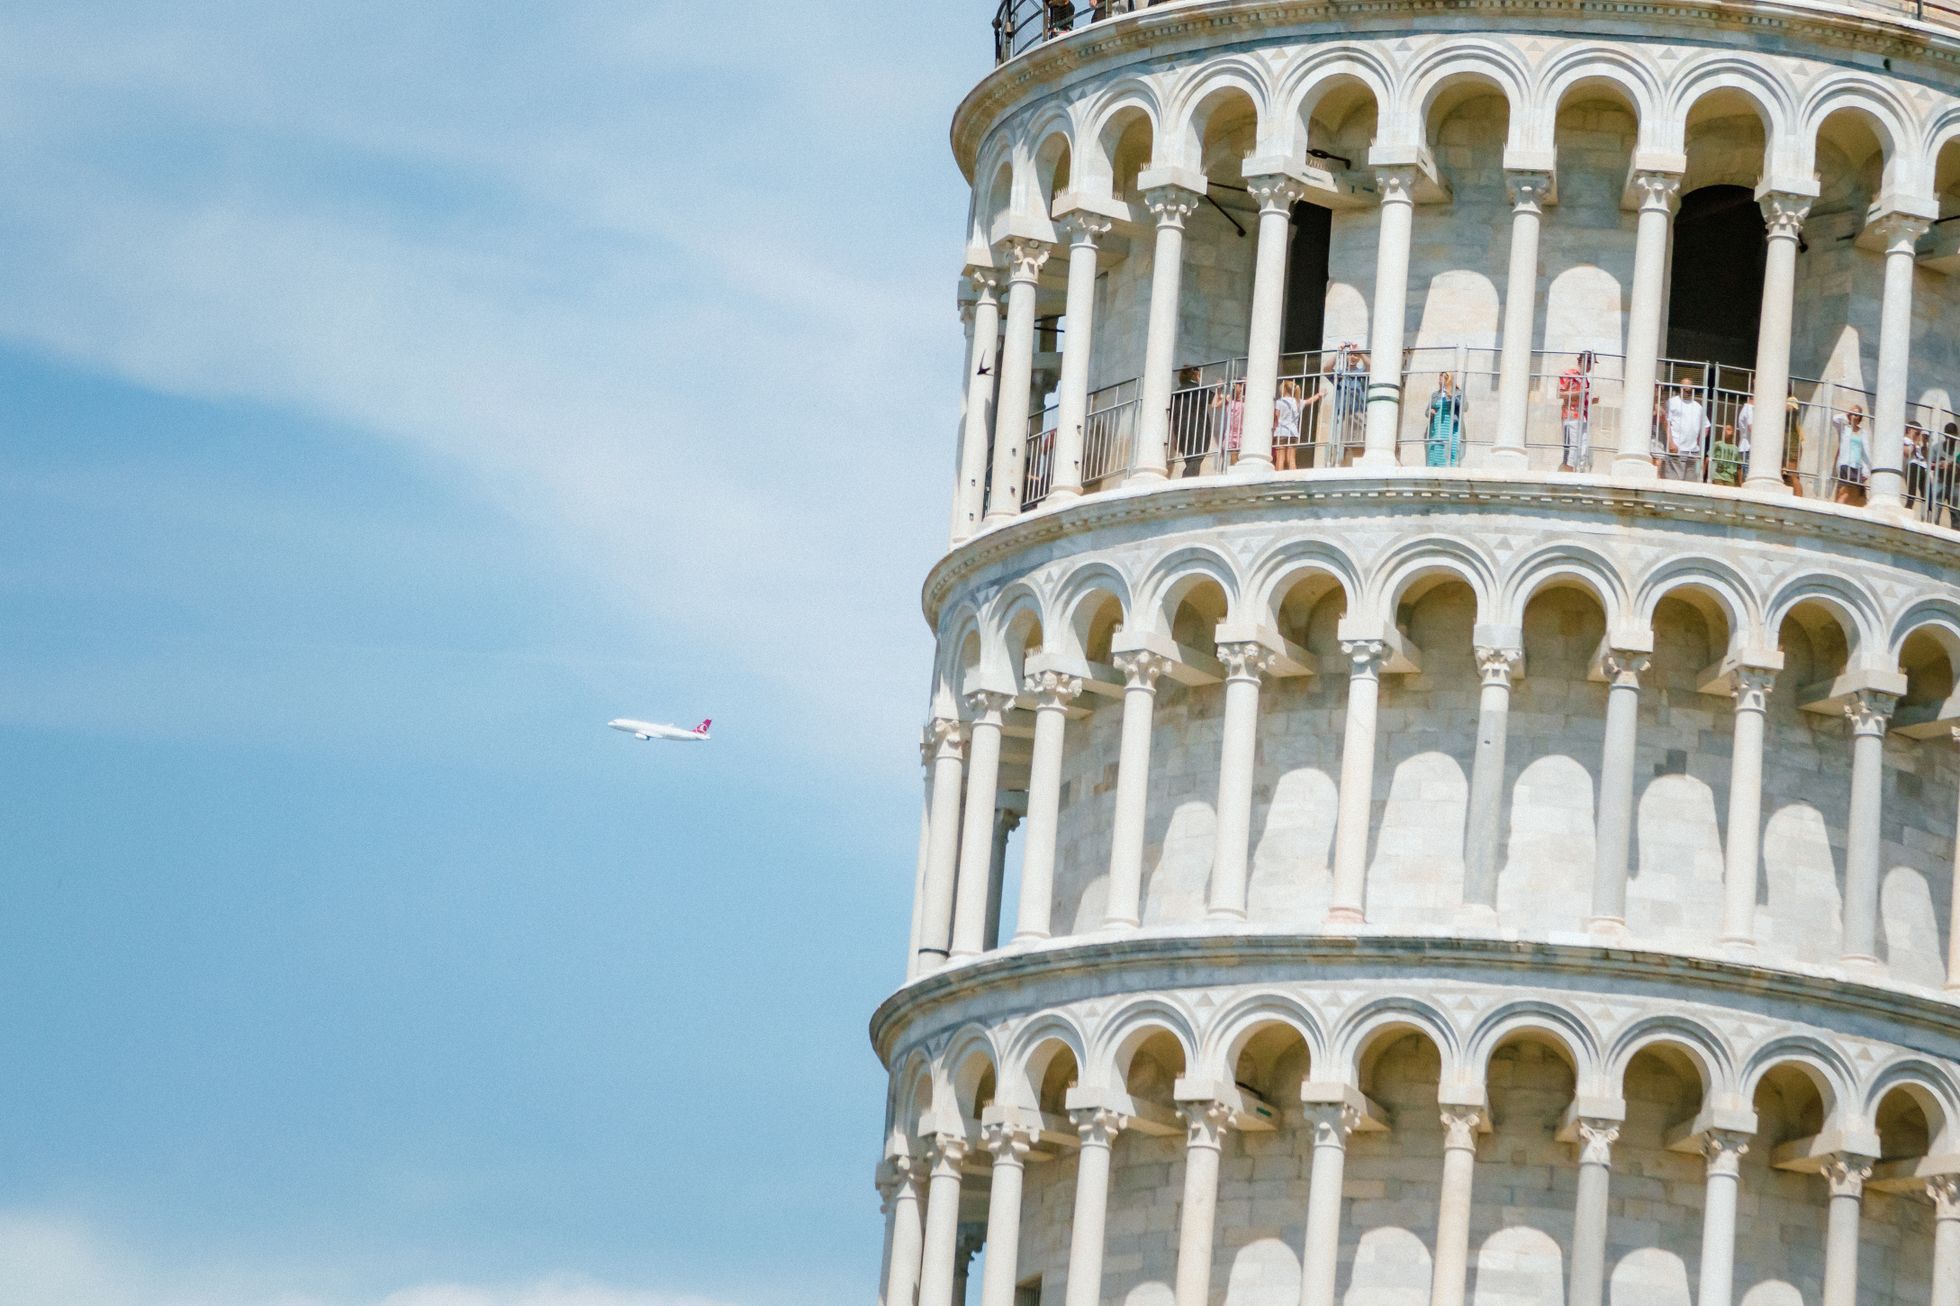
52, 1260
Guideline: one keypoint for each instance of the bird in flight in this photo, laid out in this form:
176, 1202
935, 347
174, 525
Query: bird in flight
649, 730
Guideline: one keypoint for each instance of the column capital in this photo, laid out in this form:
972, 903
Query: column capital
1009, 1140
946, 1153
1246, 659
1944, 1191
1277, 192
1172, 204
1331, 1122
1206, 1123
1084, 229
1098, 1126
1750, 688
1623, 667
1898, 231
987, 705
1724, 1149
1655, 190
985, 282
896, 1174
1595, 1137
1396, 184
1845, 1173
1870, 711
1784, 212
1498, 666
1025, 257
1528, 188
1141, 668
944, 737
1051, 689
1366, 657
1461, 1125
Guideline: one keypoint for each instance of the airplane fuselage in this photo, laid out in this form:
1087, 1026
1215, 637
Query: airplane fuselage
654, 730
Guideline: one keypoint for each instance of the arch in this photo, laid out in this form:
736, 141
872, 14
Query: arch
1172, 576
1931, 1088
1126, 1029
1077, 601
1013, 618
1823, 1065
1571, 1031
1580, 67
1364, 1028
1938, 617
960, 652
1742, 78
1702, 1046
1237, 1022
1455, 64
1049, 162
1877, 106
911, 1101
1847, 602
1565, 564
1326, 70
1107, 118
1028, 1052
1718, 582
1193, 106
1280, 569
1419, 559
966, 1065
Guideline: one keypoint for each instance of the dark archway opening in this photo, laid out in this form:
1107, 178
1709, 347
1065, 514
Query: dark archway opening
1717, 290
1306, 280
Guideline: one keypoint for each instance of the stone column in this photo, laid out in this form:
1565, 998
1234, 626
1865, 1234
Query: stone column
1010, 1144
1784, 214
1024, 262
1484, 827
1356, 802
1321, 1256
1615, 830
1723, 1150
942, 1221
1006, 821
1171, 205
1846, 1175
1901, 234
1097, 1128
1084, 233
1053, 692
946, 740
1587, 1282
1945, 1194
1528, 191
1658, 193
1751, 690
1869, 712
1452, 1256
1206, 1124
1276, 194
1245, 663
982, 369
899, 1184
1390, 309
1124, 905
977, 830
1953, 908
925, 856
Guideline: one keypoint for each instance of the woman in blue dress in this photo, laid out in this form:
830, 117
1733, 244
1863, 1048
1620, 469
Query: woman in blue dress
1443, 432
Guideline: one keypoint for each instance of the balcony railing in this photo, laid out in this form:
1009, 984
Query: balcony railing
1020, 25
1702, 426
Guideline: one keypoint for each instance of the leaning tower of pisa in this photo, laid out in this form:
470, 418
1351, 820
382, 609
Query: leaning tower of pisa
1441, 763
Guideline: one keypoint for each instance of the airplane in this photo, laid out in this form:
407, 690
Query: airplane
648, 730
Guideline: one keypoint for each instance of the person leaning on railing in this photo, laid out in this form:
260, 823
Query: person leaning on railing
1730, 454
1575, 400
1228, 410
1443, 432
1854, 460
1919, 468
1289, 411
1191, 421
1349, 369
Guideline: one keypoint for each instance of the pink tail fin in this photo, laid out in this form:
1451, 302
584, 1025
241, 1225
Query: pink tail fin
702, 729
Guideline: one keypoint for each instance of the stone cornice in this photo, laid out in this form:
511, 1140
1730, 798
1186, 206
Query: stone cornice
1145, 963
1175, 28
1215, 502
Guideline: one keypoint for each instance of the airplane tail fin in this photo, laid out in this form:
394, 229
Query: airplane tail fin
702, 729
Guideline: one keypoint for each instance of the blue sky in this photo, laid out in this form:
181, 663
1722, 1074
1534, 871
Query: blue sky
393, 394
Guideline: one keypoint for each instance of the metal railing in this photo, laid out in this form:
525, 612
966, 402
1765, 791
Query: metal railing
1020, 25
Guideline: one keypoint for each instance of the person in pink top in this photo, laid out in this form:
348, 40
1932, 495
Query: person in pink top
1575, 397
1233, 406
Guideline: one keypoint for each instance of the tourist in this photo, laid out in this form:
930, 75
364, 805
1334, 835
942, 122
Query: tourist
1289, 413
1728, 457
1686, 423
1443, 431
1854, 462
1919, 468
1946, 472
1191, 427
1349, 367
1061, 16
1575, 399
1793, 445
1232, 410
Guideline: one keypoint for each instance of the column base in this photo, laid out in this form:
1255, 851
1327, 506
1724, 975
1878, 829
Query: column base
1737, 946
1063, 493
1610, 926
1860, 963
1029, 936
1775, 485
1117, 925
996, 518
1508, 460
1478, 917
1248, 468
1374, 460
1146, 476
1343, 917
1892, 514
1634, 467
1227, 915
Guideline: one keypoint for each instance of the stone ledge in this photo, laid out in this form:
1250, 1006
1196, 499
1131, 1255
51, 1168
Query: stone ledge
1147, 962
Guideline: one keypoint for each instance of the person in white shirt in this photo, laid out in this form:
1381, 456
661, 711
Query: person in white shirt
1687, 422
